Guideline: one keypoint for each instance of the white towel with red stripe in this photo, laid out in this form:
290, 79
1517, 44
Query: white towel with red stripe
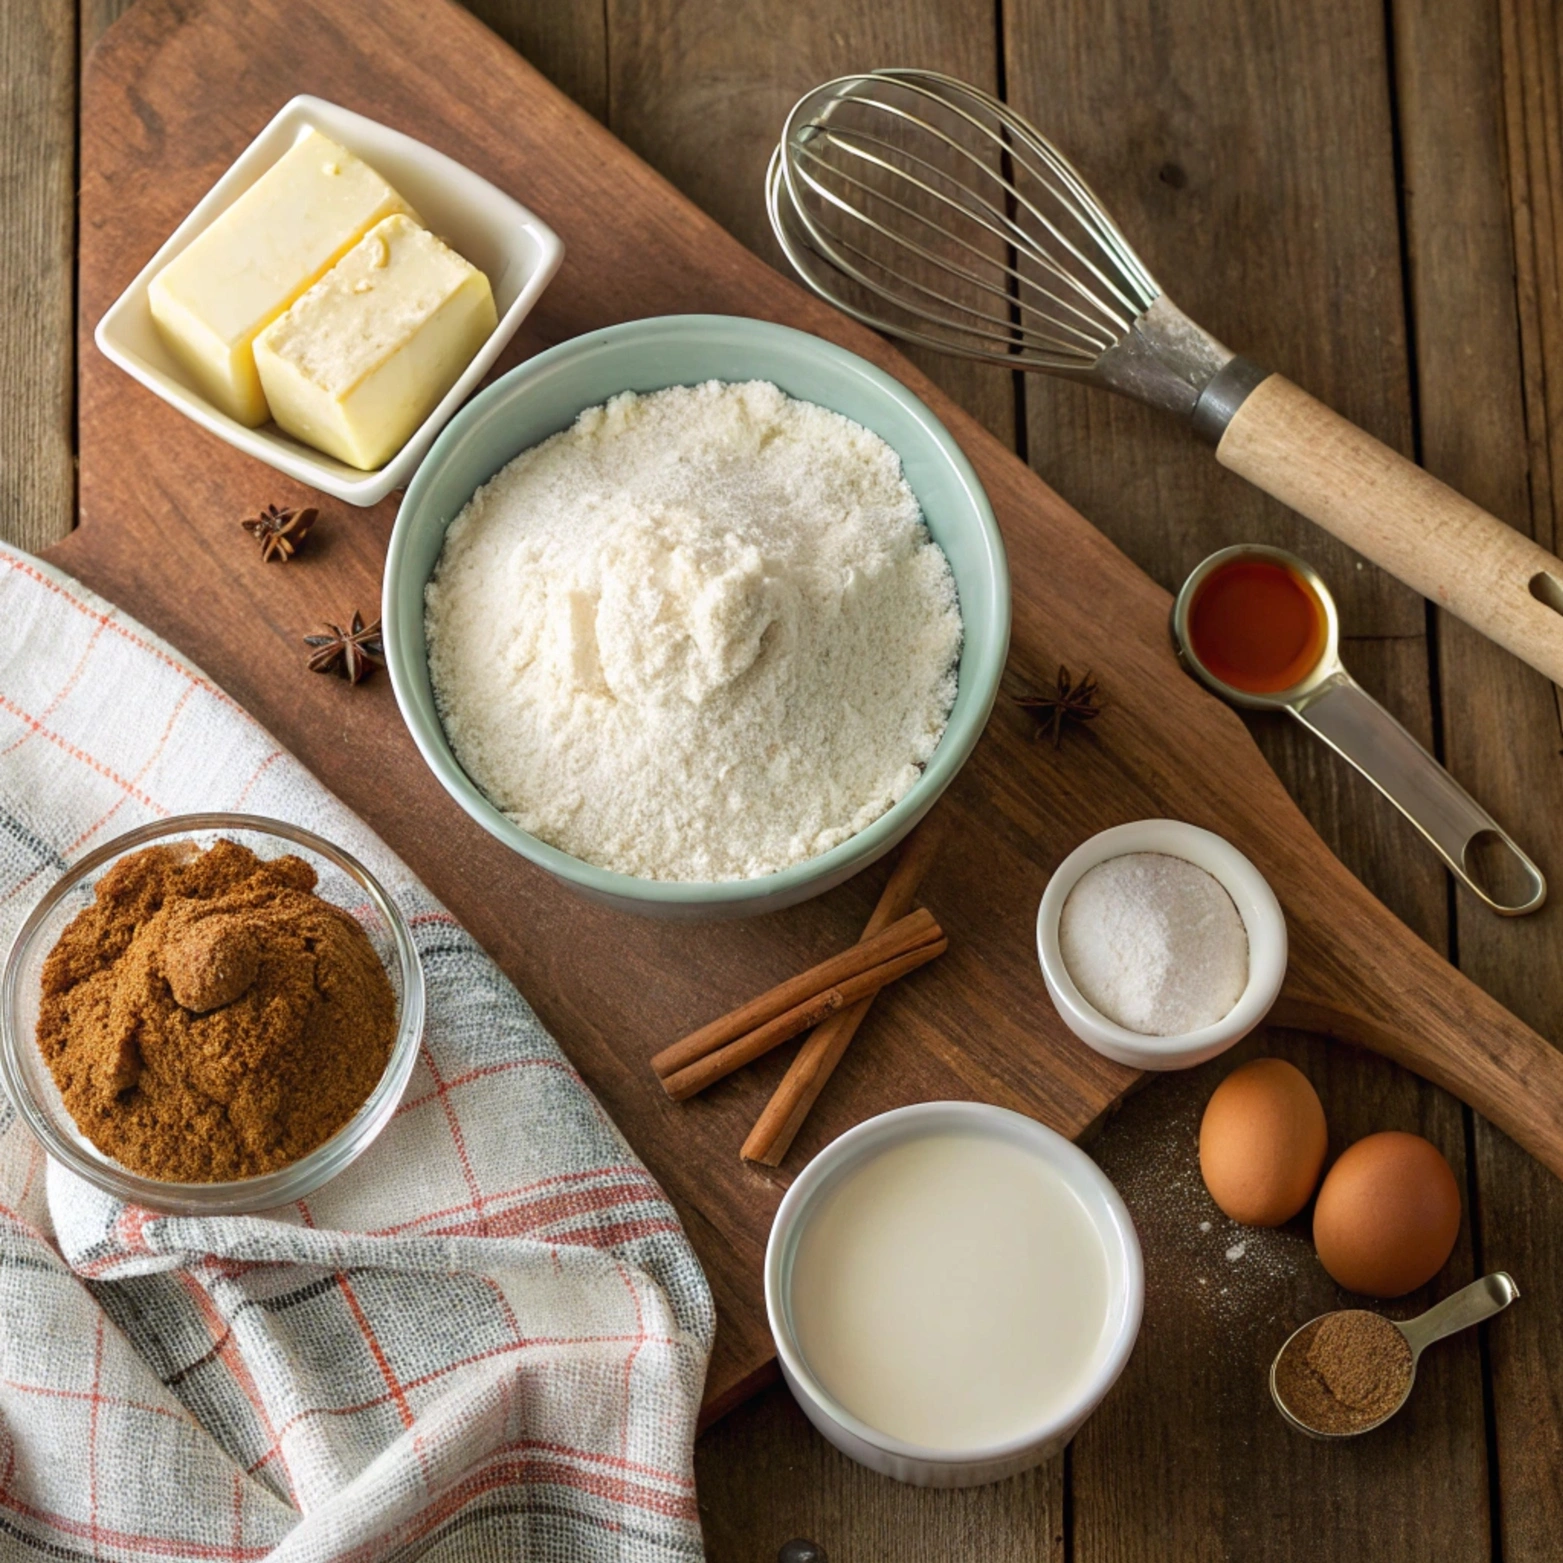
486, 1339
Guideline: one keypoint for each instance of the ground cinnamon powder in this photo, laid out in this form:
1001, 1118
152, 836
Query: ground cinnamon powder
1345, 1371
209, 1017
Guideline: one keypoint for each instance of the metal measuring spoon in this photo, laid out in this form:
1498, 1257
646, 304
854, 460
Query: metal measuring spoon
1332, 705
1470, 1305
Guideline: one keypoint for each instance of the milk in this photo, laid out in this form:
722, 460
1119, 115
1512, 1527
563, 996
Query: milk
951, 1291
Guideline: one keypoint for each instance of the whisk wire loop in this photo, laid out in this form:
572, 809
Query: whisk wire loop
924, 207
979, 210
1059, 179
1088, 337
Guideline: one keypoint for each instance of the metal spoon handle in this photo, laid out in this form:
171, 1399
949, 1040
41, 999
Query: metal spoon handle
1470, 1305
1479, 852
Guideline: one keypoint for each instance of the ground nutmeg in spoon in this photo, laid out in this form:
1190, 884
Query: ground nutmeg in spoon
209, 1017
1344, 1372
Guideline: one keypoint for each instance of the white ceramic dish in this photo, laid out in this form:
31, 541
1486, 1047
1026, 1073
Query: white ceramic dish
518, 252
1256, 904
1125, 1293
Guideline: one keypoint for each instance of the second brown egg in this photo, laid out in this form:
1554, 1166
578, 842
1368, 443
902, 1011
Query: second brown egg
1262, 1142
1388, 1215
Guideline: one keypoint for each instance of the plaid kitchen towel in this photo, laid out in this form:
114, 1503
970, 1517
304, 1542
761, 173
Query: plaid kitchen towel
486, 1339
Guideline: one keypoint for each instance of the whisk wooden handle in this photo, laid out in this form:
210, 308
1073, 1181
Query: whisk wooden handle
1400, 517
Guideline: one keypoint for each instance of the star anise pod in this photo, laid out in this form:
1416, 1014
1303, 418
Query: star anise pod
281, 533
354, 652
1068, 702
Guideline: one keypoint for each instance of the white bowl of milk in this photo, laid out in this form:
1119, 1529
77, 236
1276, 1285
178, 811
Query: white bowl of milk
952, 1289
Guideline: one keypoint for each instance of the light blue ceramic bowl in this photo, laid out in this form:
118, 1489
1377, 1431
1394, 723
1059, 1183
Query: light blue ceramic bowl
543, 396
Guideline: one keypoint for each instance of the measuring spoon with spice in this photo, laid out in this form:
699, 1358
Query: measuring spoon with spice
1258, 627
1348, 1372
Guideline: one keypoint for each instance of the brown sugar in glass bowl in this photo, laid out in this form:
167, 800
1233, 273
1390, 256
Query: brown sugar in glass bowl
197, 986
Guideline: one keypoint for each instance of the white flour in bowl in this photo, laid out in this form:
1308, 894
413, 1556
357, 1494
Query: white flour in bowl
700, 635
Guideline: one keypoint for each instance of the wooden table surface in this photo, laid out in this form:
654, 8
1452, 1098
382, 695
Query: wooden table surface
1370, 198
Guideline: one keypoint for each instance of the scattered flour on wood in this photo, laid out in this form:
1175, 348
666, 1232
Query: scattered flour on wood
1220, 1298
1248, 1278
701, 635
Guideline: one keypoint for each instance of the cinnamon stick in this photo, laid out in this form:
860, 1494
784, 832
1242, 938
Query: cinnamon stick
710, 1068
789, 1106
905, 933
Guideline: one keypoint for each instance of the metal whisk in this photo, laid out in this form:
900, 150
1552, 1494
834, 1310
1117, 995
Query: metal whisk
926, 208
923, 207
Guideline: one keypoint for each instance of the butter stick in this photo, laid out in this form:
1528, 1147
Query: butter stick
363, 357
286, 231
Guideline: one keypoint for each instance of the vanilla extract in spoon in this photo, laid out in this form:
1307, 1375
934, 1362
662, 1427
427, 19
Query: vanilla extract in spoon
1258, 626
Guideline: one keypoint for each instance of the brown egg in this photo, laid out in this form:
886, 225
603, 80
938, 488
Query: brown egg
1261, 1142
1388, 1215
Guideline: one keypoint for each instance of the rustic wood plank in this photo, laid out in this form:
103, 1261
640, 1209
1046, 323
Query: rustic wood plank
1255, 175
1489, 340
37, 271
97, 16
565, 39
1522, 1214
1532, 73
701, 93
765, 1477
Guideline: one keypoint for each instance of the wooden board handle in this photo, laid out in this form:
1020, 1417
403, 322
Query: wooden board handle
1400, 517
1404, 1000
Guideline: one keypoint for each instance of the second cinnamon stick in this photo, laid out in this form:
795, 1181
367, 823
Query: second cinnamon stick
903, 935
713, 1066
773, 1133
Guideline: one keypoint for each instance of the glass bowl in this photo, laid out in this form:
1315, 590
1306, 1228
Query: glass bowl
342, 880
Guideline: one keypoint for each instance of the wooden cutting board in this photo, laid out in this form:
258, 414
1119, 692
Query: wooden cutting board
172, 93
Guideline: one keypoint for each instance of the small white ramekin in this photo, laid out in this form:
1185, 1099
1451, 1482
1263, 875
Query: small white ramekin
1125, 1293
1256, 905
